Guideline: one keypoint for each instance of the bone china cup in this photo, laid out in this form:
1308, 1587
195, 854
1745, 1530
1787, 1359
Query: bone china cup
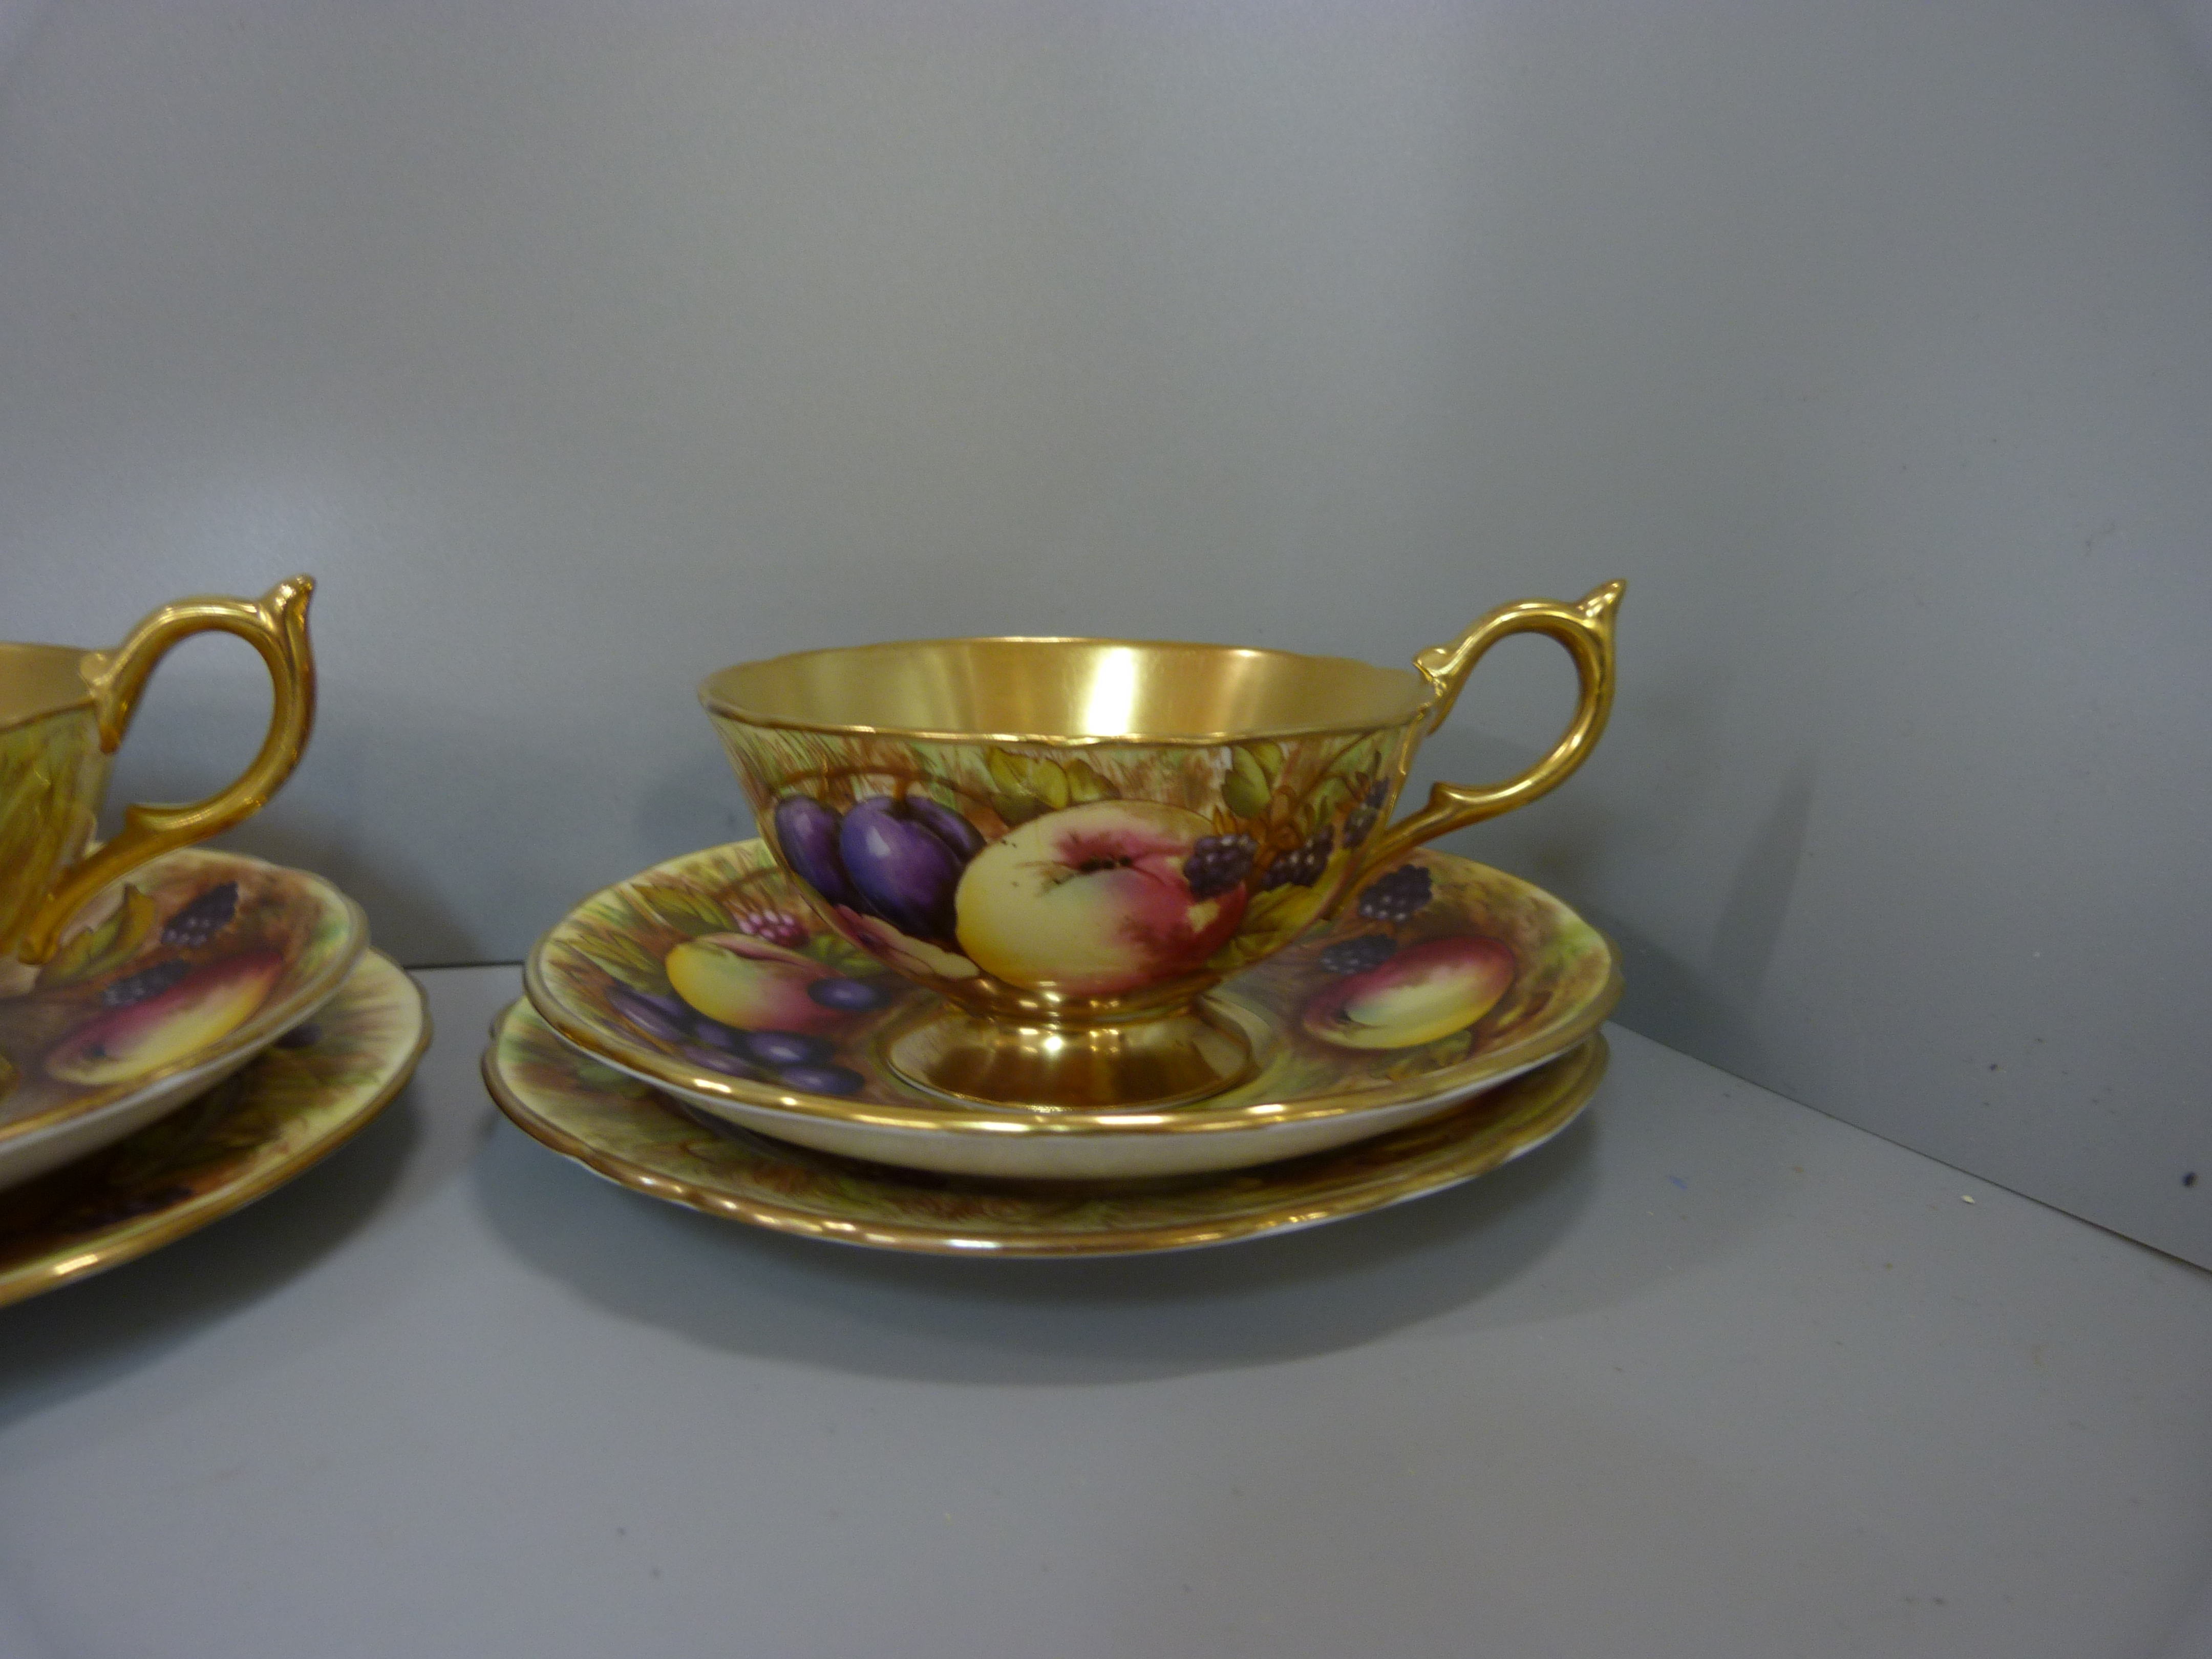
1071, 840
63, 713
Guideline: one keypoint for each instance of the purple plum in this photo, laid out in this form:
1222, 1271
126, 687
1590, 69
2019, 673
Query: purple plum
715, 1035
665, 1017
808, 833
785, 1049
823, 1079
716, 1061
851, 996
905, 871
947, 825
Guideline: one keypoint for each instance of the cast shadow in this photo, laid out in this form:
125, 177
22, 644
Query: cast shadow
770, 1296
84, 1335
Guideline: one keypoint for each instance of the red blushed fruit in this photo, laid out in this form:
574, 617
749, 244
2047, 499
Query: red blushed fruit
1090, 900
1426, 991
751, 984
191, 1016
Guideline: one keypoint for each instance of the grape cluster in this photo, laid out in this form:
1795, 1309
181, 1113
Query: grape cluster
134, 989
1361, 824
1218, 863
1395, 897
1301, 867
776, 926
203, 918
1358, 954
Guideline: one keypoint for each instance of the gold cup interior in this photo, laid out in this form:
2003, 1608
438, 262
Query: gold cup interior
1055, 690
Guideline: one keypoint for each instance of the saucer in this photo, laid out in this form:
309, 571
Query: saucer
1491, 976
248, 1135
167, 981
641, 1139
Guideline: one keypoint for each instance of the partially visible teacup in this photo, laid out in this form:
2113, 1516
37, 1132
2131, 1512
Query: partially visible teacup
1071, 840
63, 713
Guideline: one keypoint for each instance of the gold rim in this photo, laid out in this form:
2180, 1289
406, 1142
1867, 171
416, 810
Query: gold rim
139, 1237
302, 1003
1421, 698
1375, 1190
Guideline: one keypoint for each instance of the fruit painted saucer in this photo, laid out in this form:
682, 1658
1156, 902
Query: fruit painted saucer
641, 1138
709, 977
166, 983
297, 1101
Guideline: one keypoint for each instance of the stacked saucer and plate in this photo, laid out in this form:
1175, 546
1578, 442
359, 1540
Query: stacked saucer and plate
182, 1030
1071, 947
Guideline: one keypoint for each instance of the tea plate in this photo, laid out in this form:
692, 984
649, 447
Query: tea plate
709, 977
649, 1141
165, 983
296, 1103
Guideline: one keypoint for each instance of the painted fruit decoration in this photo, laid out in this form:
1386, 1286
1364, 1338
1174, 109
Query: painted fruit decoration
746, 1006
1414, 995
1093, 900
891, 866
181, 1014
750, 983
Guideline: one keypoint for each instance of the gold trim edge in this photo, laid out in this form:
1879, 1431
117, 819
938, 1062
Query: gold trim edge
190, 1218
1380, 1192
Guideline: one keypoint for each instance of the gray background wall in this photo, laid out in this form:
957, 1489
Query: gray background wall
580, 349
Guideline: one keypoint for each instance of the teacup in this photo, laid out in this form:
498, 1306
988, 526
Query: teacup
63, 713
1071, 840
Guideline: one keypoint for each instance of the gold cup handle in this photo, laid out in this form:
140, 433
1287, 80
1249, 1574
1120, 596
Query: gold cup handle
275, 625
1586, 630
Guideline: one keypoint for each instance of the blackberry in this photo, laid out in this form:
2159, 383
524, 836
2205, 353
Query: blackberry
203, 918
1401, 894
1361, 824
1301, 867
1218, 863
776, 926
1357, 955
146, 983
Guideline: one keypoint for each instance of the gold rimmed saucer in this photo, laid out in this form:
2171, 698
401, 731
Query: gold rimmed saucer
641, 1138
710, 976
297, 1101
165, 983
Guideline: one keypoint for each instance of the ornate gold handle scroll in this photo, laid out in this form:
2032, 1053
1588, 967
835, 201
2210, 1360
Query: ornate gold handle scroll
1586, 630
275, 625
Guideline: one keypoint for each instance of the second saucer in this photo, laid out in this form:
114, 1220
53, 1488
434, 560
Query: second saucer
710, 976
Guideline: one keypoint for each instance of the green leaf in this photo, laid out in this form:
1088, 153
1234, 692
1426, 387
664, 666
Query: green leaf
631, 963
1269, 756
1048, 783
1245, 792
103, 946
1084, 783
1015, 809
689, 913
1271, 919
1325, 802
1010, 773
832, 951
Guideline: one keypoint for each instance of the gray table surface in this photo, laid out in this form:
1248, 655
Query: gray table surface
1711, 1374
